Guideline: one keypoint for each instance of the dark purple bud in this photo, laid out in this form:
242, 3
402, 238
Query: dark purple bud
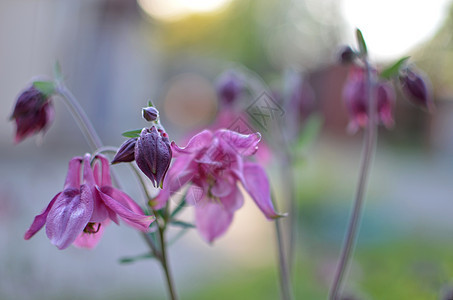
150, 114
229, 87
153, 154
126, 152
32, 113
417, 88
347, 55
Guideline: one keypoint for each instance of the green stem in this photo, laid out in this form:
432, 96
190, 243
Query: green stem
80, 116
369, 147
165, 266
285, 281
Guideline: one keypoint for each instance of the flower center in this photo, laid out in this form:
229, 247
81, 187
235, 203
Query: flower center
90, 228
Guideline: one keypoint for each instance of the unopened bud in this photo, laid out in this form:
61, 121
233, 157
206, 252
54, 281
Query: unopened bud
126, 152
347, 55
32, 113
153, 154
150, 114
417, 88
229, 87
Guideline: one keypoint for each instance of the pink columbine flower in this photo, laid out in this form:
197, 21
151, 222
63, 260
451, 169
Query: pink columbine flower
80, 212
356, 99
33, 113
212, 164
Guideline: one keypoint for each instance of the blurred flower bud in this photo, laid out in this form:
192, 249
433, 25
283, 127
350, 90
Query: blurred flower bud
347, 55
153, 154
150, 113
126, 152
229, 87
355, 97
417, 88
32, 113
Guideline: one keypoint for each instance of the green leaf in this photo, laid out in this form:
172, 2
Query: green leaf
132, 133
181, 205
45, 87
361, 42
150, 104
57, 71
393, 70
179, 235
131, 259
310, 131
181, 224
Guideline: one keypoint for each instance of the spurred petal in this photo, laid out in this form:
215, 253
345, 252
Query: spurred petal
88, 175
196, 143
73, 176
212, 219
40, 220
68, 216
138, 221
105, 178
244, 144
122, 198
90, 240
257, 185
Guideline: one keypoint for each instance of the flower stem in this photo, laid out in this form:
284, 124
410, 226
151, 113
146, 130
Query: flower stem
369, 147
80, 116
285, 280
165, 266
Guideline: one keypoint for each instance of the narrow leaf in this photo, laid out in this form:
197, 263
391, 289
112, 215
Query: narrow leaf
127, 260
179, 235
361, 42
45, 87
181, 205
182, 224
132, 133
393, 70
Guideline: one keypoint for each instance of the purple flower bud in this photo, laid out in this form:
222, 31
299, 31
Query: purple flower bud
32, 113
347, 55
126, 152
150, 114
229, 87
153, 154
417, 88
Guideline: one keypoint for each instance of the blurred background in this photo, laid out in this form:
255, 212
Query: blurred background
118, 54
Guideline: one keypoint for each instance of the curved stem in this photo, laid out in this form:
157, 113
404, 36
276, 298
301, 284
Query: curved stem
79, 114
369, 146
164, 261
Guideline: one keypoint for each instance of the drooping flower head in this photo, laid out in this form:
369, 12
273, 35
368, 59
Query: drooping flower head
417, 88
213, 165
356, 98
33, 113
78, 214
229, 87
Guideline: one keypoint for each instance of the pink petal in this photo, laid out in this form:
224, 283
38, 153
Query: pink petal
257, 185
105, 179
122, 198
88, 175
40, 220
138, 221
73, 176
196, 143
212, 219
244, 144
234, 200
68, 216
195, 194
223, 187
90, 240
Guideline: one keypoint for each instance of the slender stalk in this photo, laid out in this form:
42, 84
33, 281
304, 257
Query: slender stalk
165, 266
285, 280
369, 146
80, 116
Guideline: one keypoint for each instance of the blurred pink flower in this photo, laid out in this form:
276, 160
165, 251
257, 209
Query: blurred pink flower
355, 97
79, 213
212, 163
